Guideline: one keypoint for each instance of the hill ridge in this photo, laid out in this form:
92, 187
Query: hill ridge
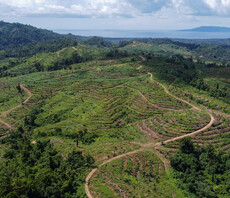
209, 29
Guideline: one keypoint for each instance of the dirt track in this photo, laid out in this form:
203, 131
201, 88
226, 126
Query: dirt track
74, 48
106, 162
167, 91
154, 145
4, 114
150, 103
59, 52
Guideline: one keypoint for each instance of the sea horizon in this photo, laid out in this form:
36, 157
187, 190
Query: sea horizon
145, 33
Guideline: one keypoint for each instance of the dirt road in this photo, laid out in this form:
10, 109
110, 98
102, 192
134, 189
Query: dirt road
106, 162
4, 114
166, 91
74, 48
150, 103
59, 52
154, 145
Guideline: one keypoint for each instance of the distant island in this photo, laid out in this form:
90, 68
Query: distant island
209, 29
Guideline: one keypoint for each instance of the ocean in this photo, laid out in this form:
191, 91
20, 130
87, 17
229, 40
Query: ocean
147, 34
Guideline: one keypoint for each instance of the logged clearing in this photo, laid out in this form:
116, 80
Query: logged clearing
144, 148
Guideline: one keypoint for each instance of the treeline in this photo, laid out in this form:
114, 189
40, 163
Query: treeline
190, 75
36, 169
201, 171
188, 71
11, 63
66, 62
160, 41
206, 51
105, 42
98, 42
18, 40
27, 50
117, 53
14, 34
61, 63
216, 54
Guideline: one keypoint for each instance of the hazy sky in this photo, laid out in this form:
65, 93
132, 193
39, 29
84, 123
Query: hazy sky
117, 14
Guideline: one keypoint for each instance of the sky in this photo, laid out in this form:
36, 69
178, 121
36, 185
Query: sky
117, 14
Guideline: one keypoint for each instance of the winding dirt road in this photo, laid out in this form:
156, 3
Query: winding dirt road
167, 91
5, 113
146, 99
153, 145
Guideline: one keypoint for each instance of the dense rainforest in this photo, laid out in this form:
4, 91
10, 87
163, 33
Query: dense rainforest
38, 170
201, 171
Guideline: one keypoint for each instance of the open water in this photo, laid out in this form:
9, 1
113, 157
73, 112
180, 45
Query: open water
147, 34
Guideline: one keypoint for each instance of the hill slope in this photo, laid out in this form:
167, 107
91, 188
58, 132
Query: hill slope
112, 119
16, 34
18, 40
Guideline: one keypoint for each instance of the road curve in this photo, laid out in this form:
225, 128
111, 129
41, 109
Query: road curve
105, 162
195, 132
155, 145
146, 99
167, 91
5, 113
28, 93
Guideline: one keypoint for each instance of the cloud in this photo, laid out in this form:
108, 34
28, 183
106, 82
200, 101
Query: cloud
221, 7
94, 8
148, 6
182, 7
112, 8
203, 7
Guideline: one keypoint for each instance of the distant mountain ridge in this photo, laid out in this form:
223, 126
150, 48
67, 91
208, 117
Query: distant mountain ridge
209, 29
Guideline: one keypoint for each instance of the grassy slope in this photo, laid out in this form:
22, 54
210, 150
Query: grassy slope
102, 96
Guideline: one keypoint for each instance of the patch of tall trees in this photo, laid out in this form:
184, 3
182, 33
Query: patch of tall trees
201, 171
36, 169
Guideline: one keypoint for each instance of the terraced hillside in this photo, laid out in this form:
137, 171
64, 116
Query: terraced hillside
114, 110
167, 134
217, 135
140, 175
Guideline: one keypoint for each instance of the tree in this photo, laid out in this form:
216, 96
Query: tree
78, 136
187, 146
201, 171
19, 88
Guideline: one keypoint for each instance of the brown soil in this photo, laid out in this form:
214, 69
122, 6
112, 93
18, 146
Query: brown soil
59, 52
154, 145
150, 103
4, 114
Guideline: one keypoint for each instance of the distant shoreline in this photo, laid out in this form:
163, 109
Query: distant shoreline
209, 29
129, 34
